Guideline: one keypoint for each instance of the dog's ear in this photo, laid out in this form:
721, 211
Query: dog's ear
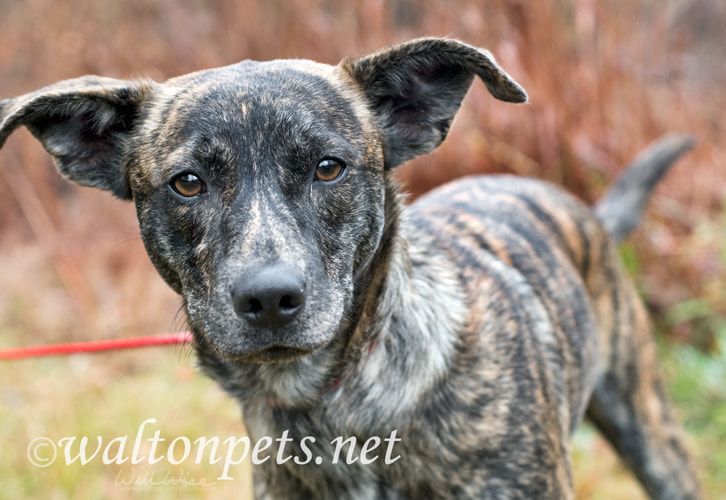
85, 123
415, 89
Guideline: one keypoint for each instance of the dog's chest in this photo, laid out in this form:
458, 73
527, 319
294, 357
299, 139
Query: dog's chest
319, 458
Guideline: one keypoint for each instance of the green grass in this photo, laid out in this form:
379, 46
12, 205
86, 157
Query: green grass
698, 388
110, 395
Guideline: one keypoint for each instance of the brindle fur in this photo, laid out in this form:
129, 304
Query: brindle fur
481, 323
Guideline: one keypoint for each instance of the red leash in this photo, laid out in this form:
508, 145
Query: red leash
96, 346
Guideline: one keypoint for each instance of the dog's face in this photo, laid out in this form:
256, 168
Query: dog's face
260, 198
260, 187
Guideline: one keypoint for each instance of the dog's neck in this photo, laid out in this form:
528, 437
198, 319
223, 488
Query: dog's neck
412, 301
408, 310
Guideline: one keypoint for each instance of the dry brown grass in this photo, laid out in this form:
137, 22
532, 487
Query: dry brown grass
604, 77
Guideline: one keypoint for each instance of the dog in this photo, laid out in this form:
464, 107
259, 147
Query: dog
476, 327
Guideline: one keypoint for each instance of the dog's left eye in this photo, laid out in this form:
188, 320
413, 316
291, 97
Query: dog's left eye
187, 185
329, 170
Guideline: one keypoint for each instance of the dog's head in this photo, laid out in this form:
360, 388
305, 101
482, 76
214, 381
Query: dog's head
260, 187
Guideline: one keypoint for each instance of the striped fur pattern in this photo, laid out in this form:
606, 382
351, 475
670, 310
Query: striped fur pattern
481, 324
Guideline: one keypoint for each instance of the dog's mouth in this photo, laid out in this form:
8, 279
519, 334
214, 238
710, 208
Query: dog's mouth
273, 354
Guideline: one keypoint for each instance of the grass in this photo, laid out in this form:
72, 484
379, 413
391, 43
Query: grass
110, 395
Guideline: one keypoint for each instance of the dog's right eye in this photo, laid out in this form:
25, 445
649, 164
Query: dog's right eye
329, 170
187, 185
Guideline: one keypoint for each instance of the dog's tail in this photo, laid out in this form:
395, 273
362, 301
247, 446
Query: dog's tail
622, 206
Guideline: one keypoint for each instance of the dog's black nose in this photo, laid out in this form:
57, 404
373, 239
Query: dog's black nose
269, 297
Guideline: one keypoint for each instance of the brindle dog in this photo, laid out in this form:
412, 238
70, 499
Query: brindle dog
481, 323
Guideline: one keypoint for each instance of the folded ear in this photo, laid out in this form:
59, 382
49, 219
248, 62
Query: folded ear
415, 89
86, 124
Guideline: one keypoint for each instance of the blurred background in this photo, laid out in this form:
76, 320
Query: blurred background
605, 78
